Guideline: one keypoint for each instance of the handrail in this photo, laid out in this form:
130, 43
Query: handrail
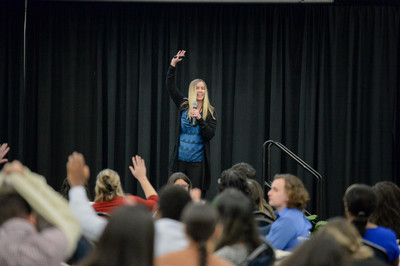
312, 171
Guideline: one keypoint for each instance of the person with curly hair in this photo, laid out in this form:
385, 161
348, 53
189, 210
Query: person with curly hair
387, 212
289, 197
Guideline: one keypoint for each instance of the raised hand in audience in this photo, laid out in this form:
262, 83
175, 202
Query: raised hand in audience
77, 170
3, 152
195, 194
138, 170
15, 166
77, 174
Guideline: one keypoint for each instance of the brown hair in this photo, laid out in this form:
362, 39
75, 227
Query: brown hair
179, 175
387, 212
295, 190
257, 194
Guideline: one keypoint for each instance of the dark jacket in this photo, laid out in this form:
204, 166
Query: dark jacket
207, 129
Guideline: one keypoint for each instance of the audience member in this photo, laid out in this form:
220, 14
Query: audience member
3, 152
256, 191
127, 239
169, 231
200, 226
180, 179
65, 187
387, 212
359, 203
257, 194
231, 178
246, 169
109, 193
289, 196
20, 241
348, 237
320, 250
240, 235
78, 174
83, 246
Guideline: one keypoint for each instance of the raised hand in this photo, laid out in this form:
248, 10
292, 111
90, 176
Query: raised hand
195, 194
77, 171
178, 57
14, 167
3, 152
139, 168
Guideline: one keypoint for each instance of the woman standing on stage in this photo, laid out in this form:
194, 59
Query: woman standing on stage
197, 123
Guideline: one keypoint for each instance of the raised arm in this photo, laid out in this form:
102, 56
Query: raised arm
173, 91
178, 57
138, 170
43, 199
78, 173
3, 152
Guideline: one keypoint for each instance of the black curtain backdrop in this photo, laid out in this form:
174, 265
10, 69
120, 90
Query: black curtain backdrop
320, 79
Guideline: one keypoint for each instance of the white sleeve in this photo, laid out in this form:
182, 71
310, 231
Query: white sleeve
92, 225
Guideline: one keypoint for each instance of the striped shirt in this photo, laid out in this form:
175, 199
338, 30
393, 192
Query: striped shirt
21, 244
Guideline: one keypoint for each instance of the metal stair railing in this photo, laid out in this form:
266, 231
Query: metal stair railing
318, 177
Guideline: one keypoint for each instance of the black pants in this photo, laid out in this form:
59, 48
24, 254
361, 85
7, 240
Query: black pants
194, 171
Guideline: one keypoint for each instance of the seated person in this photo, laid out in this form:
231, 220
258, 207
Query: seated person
240, 235
387, 211
180, 179
78, 174
169, 231
231, 178
288, 196
24, 196
359, 203
201, 228
83, 247
109, 193
256, 191
319, 250
260, 204
348, 237
65, 187
126, 240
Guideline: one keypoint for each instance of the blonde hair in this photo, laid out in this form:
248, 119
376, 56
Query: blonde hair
207, 108
347, 235
108, 186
